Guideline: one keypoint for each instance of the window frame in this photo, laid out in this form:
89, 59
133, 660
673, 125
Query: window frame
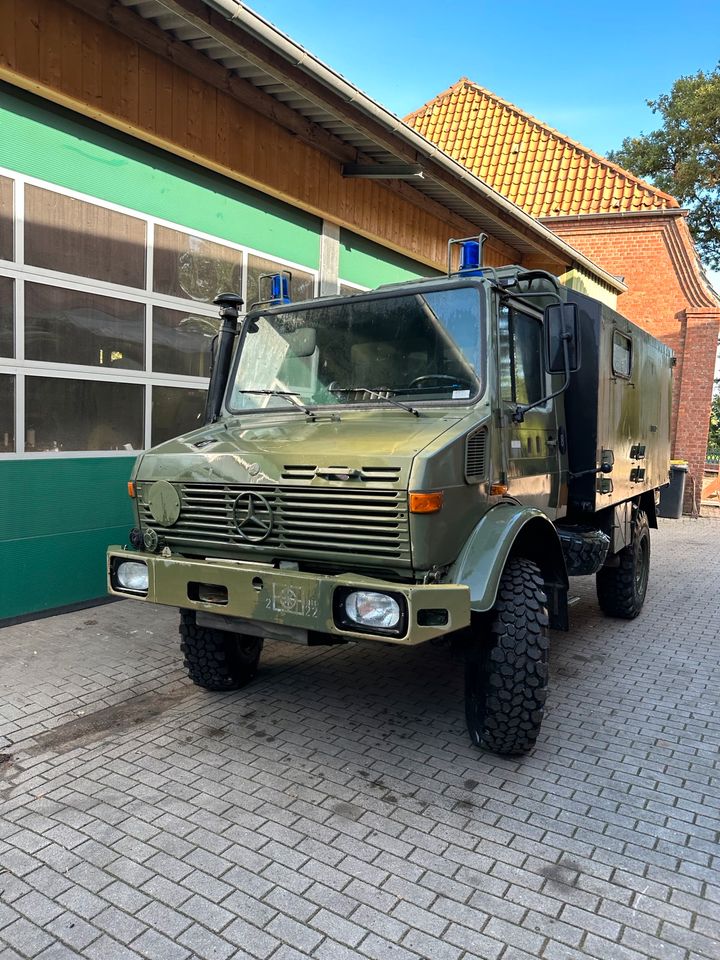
16, 269
629, 340
519, 307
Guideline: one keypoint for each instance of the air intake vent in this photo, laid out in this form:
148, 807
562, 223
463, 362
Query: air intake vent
388, 474
475, 447
301, 471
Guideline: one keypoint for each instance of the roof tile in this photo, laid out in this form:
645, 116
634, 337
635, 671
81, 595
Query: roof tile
516, 154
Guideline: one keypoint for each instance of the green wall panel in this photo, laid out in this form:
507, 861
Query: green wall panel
56, 519
370, 264
50, 143
50, 572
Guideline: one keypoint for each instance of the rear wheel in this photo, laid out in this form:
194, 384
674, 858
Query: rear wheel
217, 659
621, 589
506, 669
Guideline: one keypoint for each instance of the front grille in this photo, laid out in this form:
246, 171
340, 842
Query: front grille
307, 521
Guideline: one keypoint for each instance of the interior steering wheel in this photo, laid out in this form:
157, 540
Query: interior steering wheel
444, 377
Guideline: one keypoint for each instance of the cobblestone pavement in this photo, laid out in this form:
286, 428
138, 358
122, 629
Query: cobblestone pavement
335, 808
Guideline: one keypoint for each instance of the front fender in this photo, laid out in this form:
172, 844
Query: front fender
506, 529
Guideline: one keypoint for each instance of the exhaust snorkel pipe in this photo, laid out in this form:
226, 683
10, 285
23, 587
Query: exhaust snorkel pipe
229, 304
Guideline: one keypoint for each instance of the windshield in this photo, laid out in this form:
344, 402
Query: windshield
408, 348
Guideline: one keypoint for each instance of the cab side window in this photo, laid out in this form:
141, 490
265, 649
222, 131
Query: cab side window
522, 374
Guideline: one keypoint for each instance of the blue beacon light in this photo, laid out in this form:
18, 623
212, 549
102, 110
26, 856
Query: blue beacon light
279, 289
470, 257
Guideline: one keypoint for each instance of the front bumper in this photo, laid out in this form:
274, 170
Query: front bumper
264, 594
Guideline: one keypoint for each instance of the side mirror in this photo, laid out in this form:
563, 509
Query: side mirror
561, 327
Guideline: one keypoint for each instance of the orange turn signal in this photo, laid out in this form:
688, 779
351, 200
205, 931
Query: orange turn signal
498, 489
425, 502
132, 493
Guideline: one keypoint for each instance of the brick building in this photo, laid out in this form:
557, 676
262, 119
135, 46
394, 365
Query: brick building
626, 225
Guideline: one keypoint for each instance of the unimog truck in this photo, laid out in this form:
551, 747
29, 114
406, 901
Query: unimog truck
430, 459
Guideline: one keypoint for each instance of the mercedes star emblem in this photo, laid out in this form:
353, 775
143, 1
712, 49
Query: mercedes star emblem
253, 517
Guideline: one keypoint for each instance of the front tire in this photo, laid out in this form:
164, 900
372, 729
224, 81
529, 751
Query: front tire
506, 669
621, 590
217, 659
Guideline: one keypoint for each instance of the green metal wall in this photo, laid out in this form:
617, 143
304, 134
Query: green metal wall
369, 264
57, 517
58, 514
44, 141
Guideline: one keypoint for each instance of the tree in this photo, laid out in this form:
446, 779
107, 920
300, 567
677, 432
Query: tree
682, 157
714, 435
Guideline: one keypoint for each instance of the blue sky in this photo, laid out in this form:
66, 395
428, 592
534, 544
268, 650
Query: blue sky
585, 68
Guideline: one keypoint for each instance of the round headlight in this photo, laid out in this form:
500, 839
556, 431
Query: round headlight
371, 609
132, 575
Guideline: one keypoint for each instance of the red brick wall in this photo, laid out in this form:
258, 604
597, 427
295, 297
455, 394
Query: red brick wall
666, 296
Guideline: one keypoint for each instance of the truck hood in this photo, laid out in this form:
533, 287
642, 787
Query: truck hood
289, 448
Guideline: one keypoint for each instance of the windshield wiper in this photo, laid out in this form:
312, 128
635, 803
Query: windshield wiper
380, 396
287, 394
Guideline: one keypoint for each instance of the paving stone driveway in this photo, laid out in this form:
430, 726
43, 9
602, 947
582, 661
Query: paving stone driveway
335, 808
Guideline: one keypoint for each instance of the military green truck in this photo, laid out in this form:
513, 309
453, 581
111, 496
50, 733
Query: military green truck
430, 459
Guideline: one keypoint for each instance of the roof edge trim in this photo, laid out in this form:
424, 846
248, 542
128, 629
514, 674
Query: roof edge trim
658, 213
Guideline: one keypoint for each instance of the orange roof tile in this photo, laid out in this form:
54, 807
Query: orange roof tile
535, 166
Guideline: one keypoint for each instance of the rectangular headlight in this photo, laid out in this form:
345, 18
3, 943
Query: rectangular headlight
132, 575
370, 611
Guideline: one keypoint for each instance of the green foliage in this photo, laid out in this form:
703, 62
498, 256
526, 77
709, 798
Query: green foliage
682, 157
714, 435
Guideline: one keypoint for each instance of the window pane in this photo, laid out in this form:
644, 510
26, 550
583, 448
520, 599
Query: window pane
6, 219
73, 236
622, 353
175, 411
301, 287
346, 291
7, 303
528, 358
65, 326
192, 268
405, 347
507, 386
181, 342
7, 414
82, 415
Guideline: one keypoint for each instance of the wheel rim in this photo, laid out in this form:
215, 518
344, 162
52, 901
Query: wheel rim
641, 568
476, 689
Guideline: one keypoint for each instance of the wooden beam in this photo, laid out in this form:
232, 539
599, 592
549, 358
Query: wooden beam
153, 38
237, 38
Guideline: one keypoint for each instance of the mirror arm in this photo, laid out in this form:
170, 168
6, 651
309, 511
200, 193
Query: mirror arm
522, 408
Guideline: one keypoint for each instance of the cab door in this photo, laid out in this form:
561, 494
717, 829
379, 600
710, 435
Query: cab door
533, 446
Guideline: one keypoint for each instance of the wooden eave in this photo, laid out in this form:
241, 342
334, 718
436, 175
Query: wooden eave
262, 68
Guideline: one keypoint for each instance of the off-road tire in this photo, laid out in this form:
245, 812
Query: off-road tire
506, 666
217, 659
621, 589
584, 549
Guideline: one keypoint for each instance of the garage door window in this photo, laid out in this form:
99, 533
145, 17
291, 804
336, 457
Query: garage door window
107, 320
